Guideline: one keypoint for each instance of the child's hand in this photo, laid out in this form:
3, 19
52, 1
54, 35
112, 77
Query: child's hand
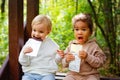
27, 50
69, 57
82, 54
61, 53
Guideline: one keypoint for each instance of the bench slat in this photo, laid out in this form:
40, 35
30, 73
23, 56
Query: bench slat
60, 76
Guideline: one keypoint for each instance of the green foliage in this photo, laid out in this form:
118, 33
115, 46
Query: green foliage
61, 13
99, 37
107, 17
61, 19
118, 34
3, 38
4, 34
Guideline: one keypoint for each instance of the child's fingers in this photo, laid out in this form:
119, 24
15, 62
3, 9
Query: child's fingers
61, 53
27, 50
70, 57
82, 54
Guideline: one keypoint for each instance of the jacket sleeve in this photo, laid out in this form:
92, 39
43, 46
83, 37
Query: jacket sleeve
23, 59
58, 59
64, 63
96, 58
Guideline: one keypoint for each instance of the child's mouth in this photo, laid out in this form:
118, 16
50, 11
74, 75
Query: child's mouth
80, 38
39, 39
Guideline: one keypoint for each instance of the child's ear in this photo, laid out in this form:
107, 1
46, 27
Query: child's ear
49, 32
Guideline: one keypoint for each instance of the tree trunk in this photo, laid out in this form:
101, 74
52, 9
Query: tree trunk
3, 6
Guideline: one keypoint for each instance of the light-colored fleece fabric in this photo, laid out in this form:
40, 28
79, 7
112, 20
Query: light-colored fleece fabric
46, 60
95, 59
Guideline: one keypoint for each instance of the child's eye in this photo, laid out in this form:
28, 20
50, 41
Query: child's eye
34, 30
41, 32
84, 29
76, 29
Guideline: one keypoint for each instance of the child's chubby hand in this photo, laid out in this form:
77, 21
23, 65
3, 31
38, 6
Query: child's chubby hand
27, 50
61, 53
83, 54
69, 57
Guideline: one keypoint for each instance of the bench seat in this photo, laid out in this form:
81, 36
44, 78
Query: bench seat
60, 76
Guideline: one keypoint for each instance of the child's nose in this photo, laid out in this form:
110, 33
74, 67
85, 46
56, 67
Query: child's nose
79, 32
37, 34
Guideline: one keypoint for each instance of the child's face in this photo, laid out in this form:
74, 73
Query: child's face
39, 31
81, 32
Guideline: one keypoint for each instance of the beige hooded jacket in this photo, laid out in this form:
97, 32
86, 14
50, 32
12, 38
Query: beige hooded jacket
95, 59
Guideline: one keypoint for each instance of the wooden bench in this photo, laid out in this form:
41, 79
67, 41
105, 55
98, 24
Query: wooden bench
60, 76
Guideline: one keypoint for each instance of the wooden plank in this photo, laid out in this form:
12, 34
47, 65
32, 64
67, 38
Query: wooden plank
60, 76
32, 11
16, 38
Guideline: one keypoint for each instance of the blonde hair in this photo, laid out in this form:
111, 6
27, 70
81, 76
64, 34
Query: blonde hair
42, 19
84, 18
